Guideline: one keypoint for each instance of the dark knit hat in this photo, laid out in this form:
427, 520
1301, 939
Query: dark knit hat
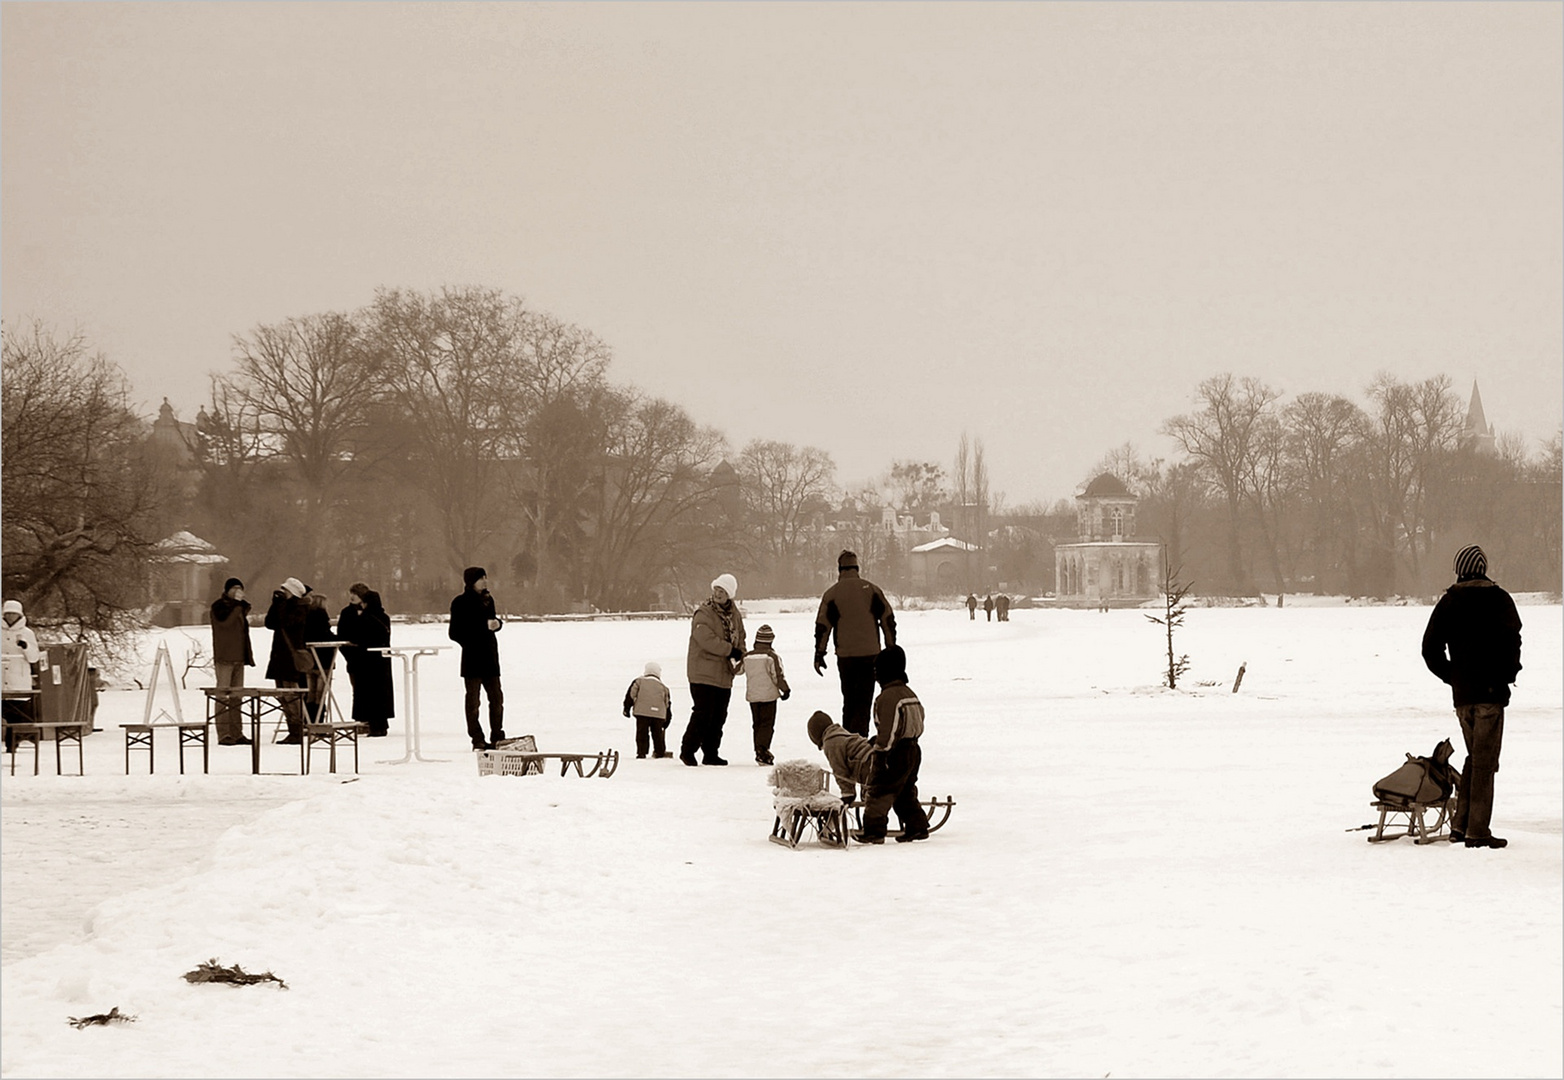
847, 560
471, 575
817, 725
890, 665
764, 636
231, 582
1470, 562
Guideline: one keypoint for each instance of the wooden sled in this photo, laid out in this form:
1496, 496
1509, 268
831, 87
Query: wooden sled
521, 762
937, 810
1412, 819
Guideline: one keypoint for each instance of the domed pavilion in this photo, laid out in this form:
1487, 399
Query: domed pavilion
1107, 566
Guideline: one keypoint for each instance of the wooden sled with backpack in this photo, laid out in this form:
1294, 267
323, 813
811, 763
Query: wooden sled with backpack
1419, 799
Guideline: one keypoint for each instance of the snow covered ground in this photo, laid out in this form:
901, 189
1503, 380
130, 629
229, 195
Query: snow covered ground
1135, 881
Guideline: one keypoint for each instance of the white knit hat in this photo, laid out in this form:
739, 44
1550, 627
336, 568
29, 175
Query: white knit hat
294, 585
654, 668
728, 582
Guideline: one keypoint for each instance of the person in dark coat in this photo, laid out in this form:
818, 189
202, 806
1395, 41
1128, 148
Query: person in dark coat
231, 654
715, 654
898, 725
1473, 643
971, 607
856, 612
988, 607
317, 627
1002, 607
364, 625
474, 624
285, 619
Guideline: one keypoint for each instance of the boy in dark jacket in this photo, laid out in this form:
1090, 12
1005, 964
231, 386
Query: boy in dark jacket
231, 654
652, 705
474, 623
1473, 642
898, 722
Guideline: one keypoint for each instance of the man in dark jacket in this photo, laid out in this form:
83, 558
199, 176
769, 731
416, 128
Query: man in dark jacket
473, 626
364, 625
1473, 642
285, 619
231, 654
856, 612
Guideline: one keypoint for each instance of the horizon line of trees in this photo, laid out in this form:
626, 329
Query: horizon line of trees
428, 431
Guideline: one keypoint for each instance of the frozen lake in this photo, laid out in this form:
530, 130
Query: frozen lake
1135, 881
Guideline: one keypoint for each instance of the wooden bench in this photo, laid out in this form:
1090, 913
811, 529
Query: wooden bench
330, 732
62, 732
191, 733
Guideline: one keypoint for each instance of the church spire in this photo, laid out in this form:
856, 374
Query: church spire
1478, 433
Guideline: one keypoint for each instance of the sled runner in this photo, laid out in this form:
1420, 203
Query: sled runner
804, 804
1406, 798
931, 807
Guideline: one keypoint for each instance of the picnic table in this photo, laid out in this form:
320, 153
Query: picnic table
62, 731
191, 733
255, 702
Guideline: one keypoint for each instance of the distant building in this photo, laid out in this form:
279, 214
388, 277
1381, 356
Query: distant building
1478, 432
942, 566
1107, 565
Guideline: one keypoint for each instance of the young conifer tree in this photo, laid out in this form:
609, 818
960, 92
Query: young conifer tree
1172, 617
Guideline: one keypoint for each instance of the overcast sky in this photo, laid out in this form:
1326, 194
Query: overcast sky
867, 228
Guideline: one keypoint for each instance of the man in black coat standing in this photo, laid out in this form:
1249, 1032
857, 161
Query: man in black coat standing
1473, 642
856, 613
473, 627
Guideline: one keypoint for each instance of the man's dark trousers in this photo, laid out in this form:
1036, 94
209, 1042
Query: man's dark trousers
857, 675
1483, 728
491, 687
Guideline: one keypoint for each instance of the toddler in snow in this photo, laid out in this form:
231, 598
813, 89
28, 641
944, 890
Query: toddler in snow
763, 684
652, 706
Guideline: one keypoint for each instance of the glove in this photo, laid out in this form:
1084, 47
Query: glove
785, 693
819, 663
627, 712
736, 654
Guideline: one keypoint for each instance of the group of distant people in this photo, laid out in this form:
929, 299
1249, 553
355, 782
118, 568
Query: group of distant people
991, 605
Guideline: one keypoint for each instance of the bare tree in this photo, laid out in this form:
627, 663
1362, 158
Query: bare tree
1413, 429
1321, 431
307, 385
81, 496
647, 525
1223, 439
781, 483
449, 362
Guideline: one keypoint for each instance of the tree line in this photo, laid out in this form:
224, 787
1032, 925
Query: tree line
428, 431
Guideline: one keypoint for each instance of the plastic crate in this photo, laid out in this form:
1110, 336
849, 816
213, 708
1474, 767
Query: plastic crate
505, 758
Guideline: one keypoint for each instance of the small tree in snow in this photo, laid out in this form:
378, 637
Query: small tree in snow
1172, 617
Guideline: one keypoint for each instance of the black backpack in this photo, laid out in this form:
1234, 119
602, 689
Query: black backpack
1421, 780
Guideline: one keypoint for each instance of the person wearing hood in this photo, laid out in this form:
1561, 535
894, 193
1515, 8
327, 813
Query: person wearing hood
898, 724
289, 663
364, 625
18, 653
317, 627
856, 613
1473, 643
850, 755
231, 654
716, 652
474, 623
652, 706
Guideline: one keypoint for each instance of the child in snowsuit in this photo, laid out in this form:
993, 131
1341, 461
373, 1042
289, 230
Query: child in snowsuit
898, 723
652, 705
763, 684
850, 755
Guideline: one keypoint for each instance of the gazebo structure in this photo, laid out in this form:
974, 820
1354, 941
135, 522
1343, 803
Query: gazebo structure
185, 579
1107, 566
